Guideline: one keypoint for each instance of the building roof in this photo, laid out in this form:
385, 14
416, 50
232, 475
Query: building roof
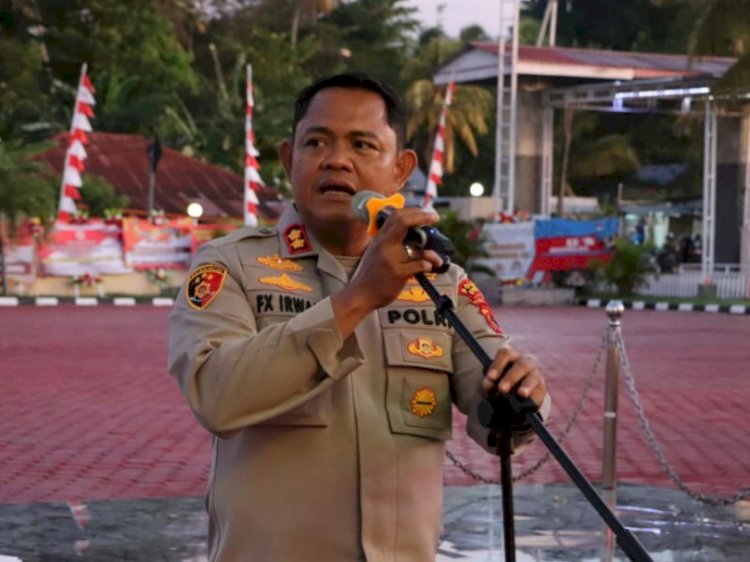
122, 161
480, 62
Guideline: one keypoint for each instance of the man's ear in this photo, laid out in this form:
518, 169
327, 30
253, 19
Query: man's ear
286, 154
406, 161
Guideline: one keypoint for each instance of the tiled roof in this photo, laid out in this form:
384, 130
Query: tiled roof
122, 161
644, 65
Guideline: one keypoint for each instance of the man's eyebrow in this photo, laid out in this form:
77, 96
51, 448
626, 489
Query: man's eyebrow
366, 134
313, 129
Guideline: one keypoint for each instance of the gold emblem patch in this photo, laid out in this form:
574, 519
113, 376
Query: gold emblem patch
425, 347
285, 282
277, 262
204, 284
413, 294
423, 402
296, 239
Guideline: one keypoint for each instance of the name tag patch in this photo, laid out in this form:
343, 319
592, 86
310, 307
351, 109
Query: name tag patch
275, 303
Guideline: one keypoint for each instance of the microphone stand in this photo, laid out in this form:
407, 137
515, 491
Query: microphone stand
500, 413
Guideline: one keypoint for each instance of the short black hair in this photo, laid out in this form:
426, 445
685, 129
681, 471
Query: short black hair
395, 109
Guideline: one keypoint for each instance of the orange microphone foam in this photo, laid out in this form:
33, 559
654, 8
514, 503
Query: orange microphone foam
377, 204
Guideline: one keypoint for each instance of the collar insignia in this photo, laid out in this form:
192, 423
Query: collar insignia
296, 239
425, 347
423, 402
468, 289
204, 284
413, 294
277, 262
285, 282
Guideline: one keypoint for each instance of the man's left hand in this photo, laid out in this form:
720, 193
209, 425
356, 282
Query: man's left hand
510, 370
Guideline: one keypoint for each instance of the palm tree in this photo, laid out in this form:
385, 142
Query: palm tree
467, 116
724, 29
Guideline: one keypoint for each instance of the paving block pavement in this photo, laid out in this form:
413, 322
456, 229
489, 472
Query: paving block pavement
89, 412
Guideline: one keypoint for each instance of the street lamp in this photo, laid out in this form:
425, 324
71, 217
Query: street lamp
476, 189
195, 211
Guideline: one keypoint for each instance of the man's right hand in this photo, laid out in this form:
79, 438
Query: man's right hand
384, 269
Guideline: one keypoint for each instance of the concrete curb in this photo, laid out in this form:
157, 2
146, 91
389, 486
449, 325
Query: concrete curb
83, 301
664, 306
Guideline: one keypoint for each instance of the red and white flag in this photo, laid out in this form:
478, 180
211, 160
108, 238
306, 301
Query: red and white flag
253, 181
75, 155
435, 175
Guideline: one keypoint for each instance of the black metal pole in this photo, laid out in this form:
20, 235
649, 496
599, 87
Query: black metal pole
497, 409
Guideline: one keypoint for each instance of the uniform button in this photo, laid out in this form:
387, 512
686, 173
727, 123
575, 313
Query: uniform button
265, 230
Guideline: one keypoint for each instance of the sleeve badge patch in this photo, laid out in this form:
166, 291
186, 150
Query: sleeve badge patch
296, 239
423, 402
277, 262
204, 284
425, 347
468, 289
285, 282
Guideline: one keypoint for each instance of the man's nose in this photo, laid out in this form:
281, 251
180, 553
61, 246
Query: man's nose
338, 157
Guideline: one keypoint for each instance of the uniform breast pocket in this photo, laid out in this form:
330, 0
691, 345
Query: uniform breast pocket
418, 396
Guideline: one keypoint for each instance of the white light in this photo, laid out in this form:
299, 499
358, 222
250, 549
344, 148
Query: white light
476, 189
195, 210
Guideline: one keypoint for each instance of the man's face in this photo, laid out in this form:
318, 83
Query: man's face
343, 145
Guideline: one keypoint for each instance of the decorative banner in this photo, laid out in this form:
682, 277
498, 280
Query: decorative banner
92, 248
20, 256
253, 181
511, 249
153, 246
75, 156
435, 175
565, 244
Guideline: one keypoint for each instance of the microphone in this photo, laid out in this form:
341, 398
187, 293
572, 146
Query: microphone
374, 209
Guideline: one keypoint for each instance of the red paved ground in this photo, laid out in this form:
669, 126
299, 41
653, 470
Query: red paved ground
88, 411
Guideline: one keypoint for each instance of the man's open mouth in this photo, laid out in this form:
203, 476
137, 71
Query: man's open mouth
337, 187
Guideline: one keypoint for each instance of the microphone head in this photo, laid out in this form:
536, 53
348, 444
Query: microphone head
359, 204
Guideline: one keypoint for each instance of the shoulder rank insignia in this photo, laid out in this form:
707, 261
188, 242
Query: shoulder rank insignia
204, 284
413, 294
296, 239
468, 289
285, 282
425, 347
277, 262
423, 402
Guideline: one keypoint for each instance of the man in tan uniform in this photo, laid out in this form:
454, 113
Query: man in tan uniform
320, 365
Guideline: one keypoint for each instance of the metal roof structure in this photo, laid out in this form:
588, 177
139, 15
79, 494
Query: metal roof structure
122, 161
479, 63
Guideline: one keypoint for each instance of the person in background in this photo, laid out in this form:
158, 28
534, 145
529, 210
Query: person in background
319, 364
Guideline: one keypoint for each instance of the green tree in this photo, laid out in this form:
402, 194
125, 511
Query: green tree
25, 192
99, 196
627, 269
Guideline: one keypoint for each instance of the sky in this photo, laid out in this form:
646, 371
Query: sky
458, 14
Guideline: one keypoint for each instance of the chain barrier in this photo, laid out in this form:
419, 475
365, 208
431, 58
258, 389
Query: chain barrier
560, 438
741, 494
